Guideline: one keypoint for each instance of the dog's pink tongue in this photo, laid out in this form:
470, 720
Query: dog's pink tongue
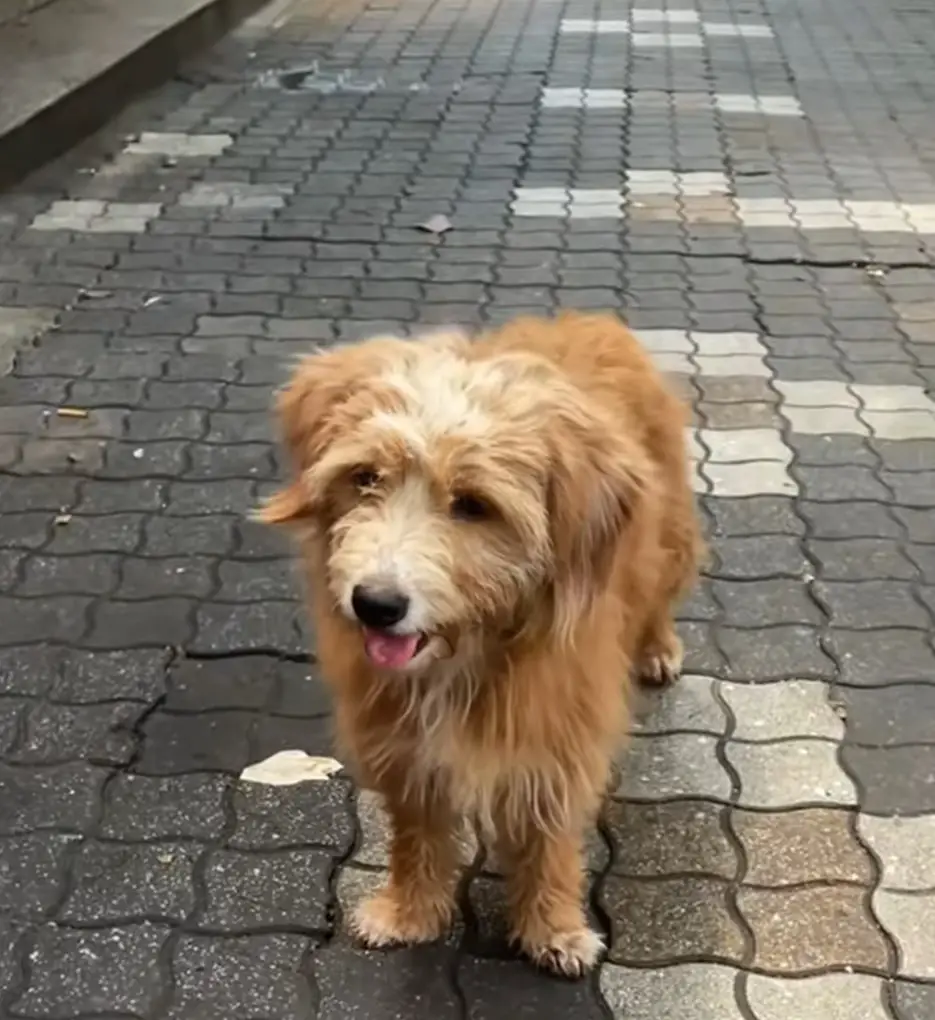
390, 651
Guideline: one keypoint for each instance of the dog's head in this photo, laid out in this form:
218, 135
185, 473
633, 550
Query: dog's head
455, 496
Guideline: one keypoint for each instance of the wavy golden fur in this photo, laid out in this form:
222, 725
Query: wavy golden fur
522, 499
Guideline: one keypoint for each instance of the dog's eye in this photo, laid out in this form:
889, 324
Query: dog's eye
468, 507
365, 478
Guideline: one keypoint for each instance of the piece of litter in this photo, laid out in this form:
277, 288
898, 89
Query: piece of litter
62, 519
436, 224
72, 412
91, 295
286, 768
153, 299
876, 271
138, 453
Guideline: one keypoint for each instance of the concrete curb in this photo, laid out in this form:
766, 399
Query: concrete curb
37, 127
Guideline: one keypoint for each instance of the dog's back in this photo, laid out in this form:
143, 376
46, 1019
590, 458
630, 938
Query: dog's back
602, 357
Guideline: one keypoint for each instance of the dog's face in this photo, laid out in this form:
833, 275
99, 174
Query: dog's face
451, 494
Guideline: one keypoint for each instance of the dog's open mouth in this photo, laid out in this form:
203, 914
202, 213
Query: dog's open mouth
392, 651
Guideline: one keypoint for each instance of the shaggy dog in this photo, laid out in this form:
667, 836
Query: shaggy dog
494, 532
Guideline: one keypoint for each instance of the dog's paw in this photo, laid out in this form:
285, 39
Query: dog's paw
661, 664
381, 921
569, 954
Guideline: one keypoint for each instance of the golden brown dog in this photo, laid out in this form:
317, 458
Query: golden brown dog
494, 533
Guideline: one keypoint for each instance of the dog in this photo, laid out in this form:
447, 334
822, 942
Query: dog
494, 532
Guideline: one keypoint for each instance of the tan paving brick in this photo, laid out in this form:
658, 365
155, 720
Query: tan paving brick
812, 928
662, 839
671, 919
804, 845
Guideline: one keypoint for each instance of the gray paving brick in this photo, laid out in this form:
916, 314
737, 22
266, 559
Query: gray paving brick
254, 891
138, 808
252, 975
103, 734
32, 873
893, 780
912, 1001
111, 971
112, 883
63, 797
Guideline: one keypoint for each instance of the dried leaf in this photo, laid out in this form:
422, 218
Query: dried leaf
436, 224
286, 768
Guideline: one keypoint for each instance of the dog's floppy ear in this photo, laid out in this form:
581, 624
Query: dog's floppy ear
305, 409
599, 485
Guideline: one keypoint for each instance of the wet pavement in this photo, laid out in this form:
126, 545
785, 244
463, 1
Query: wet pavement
752, 184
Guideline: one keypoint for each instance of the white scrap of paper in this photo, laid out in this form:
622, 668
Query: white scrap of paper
286, 768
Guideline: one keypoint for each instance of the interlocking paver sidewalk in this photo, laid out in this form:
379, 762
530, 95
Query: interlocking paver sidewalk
752, 183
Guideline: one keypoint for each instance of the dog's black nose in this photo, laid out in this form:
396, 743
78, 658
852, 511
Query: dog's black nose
376, 607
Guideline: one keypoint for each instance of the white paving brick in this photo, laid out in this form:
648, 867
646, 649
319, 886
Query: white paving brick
905, 848
741, 446
788, 773
85, 216
615, 99
825, 214
827, 997
721, 344
672, 182
816, 393
668, 341
729, 30
893, 398
758, 478
593, 203
901, 424
235, 195
621, 26
910, 919
179, 146
824, 421
673, 363
775, 711
741, 364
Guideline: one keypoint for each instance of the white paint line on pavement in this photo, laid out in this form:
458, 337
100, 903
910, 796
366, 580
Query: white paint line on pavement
577, 98
621, 26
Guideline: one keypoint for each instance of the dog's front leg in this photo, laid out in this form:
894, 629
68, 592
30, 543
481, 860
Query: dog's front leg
418, 901
545, 876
